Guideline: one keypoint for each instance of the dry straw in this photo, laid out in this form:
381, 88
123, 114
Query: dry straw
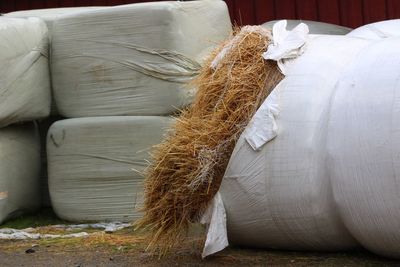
188, 166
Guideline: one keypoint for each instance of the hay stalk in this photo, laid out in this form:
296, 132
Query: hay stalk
188, 166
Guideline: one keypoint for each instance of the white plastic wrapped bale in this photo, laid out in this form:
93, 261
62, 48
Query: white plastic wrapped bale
44, 126
378, 30
94, 165
280, 195
133, 59
24, 72
19, 170
364, 148
49, 16
314, 26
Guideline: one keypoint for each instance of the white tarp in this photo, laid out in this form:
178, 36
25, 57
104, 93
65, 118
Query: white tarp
378, 30
314, 26
133, 59
19, 170
24, 72
280, 196
94, 165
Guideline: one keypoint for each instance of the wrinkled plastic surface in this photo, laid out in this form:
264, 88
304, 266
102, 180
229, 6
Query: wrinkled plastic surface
19, 170
24, 72
133, 59
378, 30
281, 196
314, 26
95, 165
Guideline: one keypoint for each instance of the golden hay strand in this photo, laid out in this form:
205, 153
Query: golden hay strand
188, 166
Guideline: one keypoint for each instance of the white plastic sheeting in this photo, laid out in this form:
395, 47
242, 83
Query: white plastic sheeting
314, 26
95, 165
378, 30
363, 146
280, 196
32, 233
19, 170
133, 59
24, 72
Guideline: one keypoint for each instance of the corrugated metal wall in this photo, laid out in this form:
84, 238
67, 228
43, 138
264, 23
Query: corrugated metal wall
352, 13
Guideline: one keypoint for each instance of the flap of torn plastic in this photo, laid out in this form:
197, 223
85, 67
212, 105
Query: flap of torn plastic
262, 127
286, 44
217, 237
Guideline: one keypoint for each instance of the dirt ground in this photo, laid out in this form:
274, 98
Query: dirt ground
127, 248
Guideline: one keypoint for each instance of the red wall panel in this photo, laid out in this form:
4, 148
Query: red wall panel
352, 13
328, 11
285, 9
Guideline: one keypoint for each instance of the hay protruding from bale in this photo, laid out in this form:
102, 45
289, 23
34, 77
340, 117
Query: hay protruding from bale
188, 166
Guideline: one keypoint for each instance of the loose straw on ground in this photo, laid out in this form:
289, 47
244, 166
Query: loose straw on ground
188, 166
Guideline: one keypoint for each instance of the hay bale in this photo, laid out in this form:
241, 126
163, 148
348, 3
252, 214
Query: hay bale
189, 165
24, 72
280, 196
19, 170
91, 163
133, 59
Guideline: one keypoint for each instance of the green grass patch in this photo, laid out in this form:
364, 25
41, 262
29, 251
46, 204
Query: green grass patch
43, 217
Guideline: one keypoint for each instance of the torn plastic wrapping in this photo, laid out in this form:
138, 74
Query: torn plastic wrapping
24, 76
280, 195
378, 30
286, 45
133, 59
19, 170
95, 165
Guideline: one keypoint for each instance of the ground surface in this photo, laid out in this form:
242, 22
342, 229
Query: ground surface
127, 248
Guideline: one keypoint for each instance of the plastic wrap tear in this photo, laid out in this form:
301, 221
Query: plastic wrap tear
286, 44
215, 216
262, 127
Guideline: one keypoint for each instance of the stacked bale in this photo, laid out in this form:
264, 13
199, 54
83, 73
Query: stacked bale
24, 96
133, 59
24, 82
95, 165
118, 73
48, 16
